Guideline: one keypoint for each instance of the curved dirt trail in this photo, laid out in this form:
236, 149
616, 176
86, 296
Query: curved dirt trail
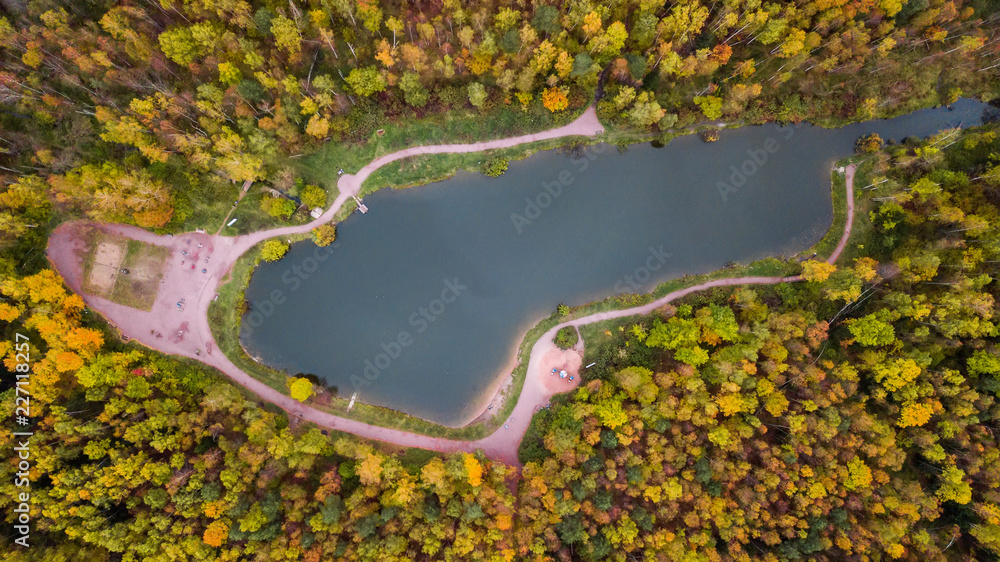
186, 332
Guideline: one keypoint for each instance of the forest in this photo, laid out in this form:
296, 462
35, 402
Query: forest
852, 416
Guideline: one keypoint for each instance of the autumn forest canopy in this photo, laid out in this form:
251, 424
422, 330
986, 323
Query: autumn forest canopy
851, 416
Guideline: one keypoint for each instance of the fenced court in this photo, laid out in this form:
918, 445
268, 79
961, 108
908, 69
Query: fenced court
124, 271
107, 259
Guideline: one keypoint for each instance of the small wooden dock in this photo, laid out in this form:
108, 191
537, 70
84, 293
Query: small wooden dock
361, 206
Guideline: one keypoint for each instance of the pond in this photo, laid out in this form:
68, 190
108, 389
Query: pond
421, 303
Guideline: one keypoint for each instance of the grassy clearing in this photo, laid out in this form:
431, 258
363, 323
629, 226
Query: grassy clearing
457, 126
418, 170
597, 334
413, 459
862, 231
206, 201
202, 203
838, 193
428, 168
251, 218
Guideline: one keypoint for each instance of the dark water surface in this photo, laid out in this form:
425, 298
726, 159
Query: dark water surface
433, 289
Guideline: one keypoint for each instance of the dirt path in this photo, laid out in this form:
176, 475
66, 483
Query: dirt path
849, 181
185, 330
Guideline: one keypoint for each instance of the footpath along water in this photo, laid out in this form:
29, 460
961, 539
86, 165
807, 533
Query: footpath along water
421, 302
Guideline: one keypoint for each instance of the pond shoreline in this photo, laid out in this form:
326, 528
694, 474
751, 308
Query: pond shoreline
501, 445
371, 243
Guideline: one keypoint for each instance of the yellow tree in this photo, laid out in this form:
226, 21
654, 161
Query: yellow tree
370, 469
555, 99
325, 234
474, 470
55, 315
273, 250
216, 533
591, 24
817, 271
300, 388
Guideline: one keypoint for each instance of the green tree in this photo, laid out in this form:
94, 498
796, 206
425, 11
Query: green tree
583, 64
477, 94
546, 19
695, 356
506, 19
566, 337
414, 91
711, 106
286, 35
646, 111
179, 45
313, 196
494, 167
366, 81
984, 363
609, 44
871, 331
278, 206
674, 334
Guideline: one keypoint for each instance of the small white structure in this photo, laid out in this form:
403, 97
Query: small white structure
230, 223
316, 213
562, 374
